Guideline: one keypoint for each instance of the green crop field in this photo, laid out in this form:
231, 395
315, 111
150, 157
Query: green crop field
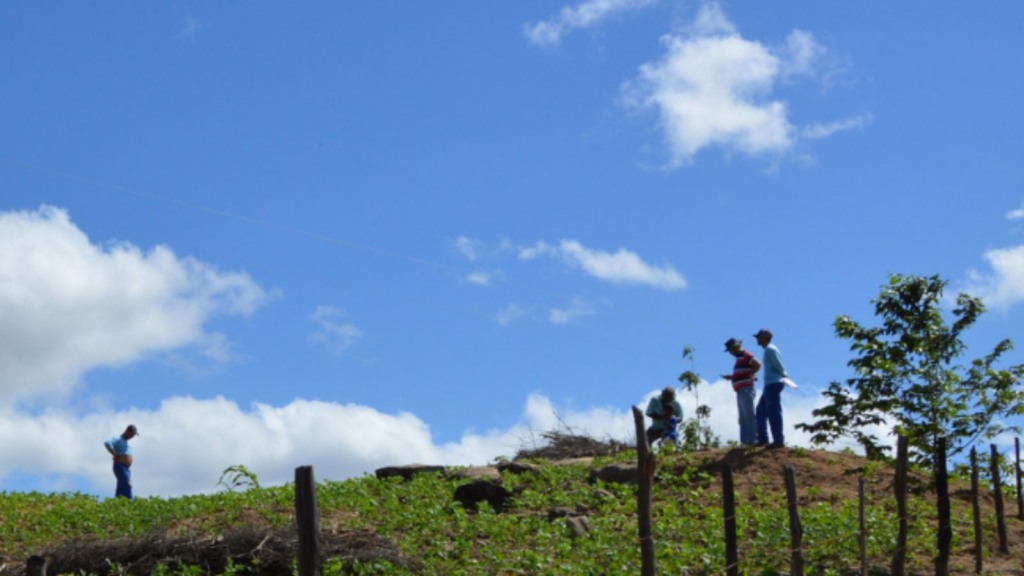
430, 533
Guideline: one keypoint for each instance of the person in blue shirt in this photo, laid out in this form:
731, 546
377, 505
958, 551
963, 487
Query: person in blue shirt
769, 407
658, 415
121, 452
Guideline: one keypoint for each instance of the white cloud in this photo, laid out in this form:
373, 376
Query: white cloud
713, 88
510, 314
818, 131
339, 440
1017, 214
578, 308
190, 28
70, 305
621, 267
334, 331
584, 15
468, 247
1004, 286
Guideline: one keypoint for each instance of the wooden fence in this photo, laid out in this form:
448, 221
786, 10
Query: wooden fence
944, 527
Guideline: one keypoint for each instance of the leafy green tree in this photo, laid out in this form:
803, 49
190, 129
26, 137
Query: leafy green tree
696, 432
908, 376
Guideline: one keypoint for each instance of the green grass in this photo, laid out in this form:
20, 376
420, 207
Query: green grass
422, 518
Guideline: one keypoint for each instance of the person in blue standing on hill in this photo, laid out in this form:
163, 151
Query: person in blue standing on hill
121, 452
769, 407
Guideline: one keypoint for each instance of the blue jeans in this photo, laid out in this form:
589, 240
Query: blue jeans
748, 422
769, 412
124, 481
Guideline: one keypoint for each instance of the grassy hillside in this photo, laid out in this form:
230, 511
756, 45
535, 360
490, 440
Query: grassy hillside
392, 526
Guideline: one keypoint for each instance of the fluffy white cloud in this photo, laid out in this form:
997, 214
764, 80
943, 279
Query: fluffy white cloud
509, 314
817, 131
1004, 286
621, 267
578, 308
468, 247
1016, 214
713, 88
584, 15
70, 305
333, 330
339, 440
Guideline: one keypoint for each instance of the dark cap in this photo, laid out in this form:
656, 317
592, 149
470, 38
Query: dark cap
131, 429
733, 343
764, 332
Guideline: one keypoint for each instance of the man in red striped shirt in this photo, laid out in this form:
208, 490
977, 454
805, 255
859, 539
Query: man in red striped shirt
743, 379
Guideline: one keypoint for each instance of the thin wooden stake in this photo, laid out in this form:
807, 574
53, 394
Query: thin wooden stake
645, 478
976, 509
732, 561
863, 533
1020, 492
796, 531
945, 533
900, 555
36, 566
997, 492
306, 520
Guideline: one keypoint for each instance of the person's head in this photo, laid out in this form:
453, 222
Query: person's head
734, 346
668, 395
764, 337
130, 432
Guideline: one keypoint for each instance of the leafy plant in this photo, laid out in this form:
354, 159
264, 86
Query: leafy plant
907, 376
696, 433
238, 477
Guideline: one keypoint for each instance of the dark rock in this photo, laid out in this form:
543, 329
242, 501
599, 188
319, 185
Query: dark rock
615, 473
408, 471
478, 491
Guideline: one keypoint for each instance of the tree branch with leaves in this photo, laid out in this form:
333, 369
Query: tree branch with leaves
908, 375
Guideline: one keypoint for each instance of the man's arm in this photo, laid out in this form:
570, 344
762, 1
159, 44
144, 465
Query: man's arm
755, 365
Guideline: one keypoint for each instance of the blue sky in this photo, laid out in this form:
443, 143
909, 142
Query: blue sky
361, 234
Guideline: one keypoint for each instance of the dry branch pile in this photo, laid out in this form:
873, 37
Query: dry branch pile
269, 552
563, 445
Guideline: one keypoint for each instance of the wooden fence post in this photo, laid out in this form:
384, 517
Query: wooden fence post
796, 531
36, 566
976, 509
732, 560
862, 522
945, 533
997, 492
900, 555
645, 478
1020, 492
306, 520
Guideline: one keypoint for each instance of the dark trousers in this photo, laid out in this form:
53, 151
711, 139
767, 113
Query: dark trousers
124, 481
769, 413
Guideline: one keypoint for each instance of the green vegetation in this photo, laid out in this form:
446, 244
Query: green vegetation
696, 433
907, 376
420, 517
